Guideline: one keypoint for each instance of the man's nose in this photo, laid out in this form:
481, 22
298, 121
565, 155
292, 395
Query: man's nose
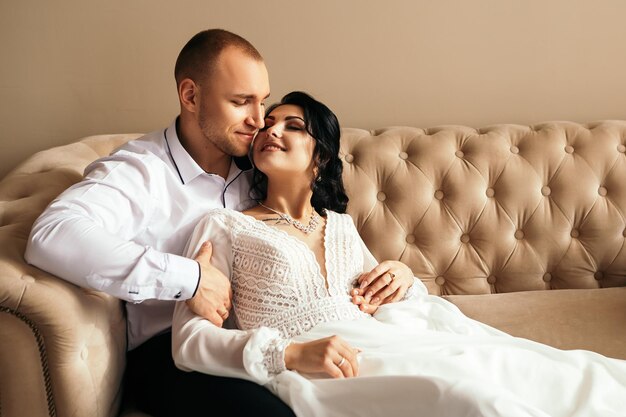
257, 117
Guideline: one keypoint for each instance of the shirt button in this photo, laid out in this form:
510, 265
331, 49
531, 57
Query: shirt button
178, 294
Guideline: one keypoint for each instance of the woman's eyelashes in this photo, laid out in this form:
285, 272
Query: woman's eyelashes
293, 127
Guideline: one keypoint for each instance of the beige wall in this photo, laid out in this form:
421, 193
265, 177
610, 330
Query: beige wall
72, 68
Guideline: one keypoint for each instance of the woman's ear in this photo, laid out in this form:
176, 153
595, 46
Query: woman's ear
188, 95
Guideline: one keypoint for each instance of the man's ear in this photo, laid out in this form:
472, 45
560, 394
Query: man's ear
188, 95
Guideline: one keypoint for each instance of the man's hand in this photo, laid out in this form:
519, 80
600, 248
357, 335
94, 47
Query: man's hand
213, 297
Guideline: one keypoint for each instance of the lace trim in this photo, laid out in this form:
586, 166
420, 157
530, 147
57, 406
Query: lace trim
274, 356
303, 318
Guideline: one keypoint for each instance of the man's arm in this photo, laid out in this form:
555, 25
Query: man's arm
85, 237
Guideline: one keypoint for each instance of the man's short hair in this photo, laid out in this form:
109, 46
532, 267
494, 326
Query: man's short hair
198, 57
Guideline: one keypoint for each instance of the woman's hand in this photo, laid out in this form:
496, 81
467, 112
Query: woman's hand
387, 283
331, 355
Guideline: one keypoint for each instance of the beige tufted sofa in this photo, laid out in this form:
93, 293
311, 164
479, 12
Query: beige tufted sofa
524, 228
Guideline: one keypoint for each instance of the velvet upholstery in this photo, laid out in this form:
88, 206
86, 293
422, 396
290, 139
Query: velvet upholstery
523, 227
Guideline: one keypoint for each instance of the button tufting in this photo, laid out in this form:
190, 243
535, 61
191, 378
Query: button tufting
410, 239
28, 278
465, 238
440, 280
491, 279
490, 192
514, 149
575, 233
569, 149
621, 148
519, 234
381, 196
403, 155
602, 191
84, 354
624, 233
459, 154
349, 158
547, 277
598, 275
439, 194
545, 190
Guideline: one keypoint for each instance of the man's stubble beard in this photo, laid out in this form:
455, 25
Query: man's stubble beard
219, 139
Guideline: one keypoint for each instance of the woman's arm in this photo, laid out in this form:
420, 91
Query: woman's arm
199, 345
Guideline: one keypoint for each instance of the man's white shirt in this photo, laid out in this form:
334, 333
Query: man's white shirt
122, 229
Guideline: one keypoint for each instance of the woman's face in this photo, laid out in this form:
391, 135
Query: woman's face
284, 148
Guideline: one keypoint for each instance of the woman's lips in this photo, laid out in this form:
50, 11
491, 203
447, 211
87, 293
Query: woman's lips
272, 147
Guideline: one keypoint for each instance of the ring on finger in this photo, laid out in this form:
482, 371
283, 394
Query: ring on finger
341, 362
392, 276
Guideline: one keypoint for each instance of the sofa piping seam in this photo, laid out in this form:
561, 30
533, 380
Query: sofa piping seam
43, 358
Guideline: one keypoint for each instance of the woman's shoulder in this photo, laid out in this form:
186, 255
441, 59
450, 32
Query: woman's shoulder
220, 215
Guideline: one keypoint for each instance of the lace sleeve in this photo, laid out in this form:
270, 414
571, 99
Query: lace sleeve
198, 345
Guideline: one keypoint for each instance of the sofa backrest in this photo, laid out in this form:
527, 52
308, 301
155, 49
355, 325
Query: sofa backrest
500, 209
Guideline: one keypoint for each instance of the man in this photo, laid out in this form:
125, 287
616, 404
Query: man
122, 229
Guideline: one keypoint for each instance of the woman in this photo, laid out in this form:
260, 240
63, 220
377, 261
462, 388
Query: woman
294, 261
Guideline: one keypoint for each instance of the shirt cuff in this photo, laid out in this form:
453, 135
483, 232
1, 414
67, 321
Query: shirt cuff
182, 277
199, 276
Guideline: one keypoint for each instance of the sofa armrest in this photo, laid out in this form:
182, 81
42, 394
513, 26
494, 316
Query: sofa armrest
62, 348
591, 319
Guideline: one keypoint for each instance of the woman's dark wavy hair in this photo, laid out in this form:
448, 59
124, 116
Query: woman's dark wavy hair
322, 124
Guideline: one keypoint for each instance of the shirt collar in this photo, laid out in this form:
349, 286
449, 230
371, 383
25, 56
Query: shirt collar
188, 169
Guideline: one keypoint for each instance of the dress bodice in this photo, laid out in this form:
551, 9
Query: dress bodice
276, 280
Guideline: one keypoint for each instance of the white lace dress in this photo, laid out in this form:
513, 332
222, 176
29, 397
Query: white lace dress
420, 356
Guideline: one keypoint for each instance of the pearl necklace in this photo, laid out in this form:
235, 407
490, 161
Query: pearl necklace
313, 222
